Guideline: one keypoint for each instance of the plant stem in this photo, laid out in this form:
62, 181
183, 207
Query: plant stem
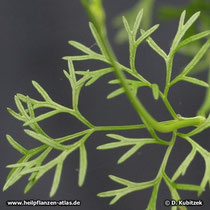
120, 127
168, 105
138, 106
205, 107
144, 115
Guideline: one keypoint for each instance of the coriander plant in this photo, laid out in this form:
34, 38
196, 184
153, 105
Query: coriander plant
130, 81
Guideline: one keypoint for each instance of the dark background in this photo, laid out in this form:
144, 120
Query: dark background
33, 39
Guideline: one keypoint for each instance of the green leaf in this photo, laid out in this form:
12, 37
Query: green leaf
193, 39
56, 179
182, 29
133, 85
32, 179
195, 81
115, 93
174, 194
16, 146
121, 181
206, 177
31, 183
155, 47
146, 34
206, 156
42, 117
137, 22
189, 187
16, 115
155, 91
20, 107
127, 27
81, 47
129, 153
112, 145
137, 142
117, 193
42, 92
92, 76
98, 40
46, 140
131, 187
72, 77
197, 58
83, 165
30, 107
97, 57
184, 165
189, 23
13, 170
24, 99
14, 175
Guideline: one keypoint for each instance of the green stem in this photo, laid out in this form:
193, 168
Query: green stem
167, 154
118, 128
82, 119
168, 105
138, 106
144, 115
205, 107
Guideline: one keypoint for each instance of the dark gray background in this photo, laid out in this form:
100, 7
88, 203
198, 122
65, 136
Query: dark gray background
33, 38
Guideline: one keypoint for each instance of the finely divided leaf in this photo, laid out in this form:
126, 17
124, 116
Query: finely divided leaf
155, 91
91, 76
83, 164
42, 92
137, 23
181, 20
206, 177
14, 174
189, 23
56, 179
131, 187
174, 194
192, 39
197, 58
115, 93
129, 153
122, 181
98, 40
42, 117
188, 187
195, 81
16, 146
182, 29
155, 47
184, 165
20, 107
146, 34
123, 141
127, 27
133, 85
46, 140
81, 47
16, 115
